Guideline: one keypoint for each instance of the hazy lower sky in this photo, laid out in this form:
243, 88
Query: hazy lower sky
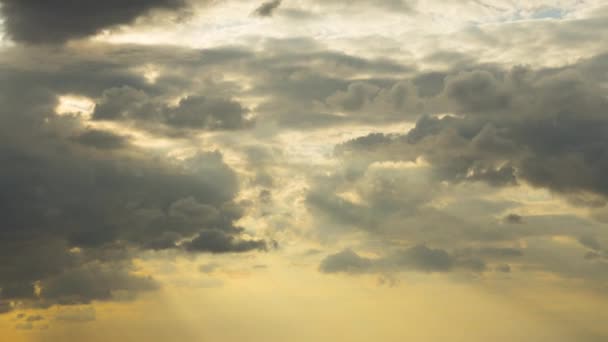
303, 170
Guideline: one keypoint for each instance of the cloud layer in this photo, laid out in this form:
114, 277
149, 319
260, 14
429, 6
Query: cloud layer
350, 139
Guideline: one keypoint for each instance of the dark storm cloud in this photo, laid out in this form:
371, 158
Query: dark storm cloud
217, 241
267, 8
35, 21
78, 203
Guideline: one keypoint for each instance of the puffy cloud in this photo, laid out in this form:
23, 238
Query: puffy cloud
191, 113
488, 130
80, 202
80, 199
512, 125
200, 112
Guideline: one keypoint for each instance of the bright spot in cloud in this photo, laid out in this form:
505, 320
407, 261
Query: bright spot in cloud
75, 104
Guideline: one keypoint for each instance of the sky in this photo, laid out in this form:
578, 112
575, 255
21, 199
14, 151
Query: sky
303, 170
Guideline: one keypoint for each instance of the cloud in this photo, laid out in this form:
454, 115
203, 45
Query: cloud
24, 326
418, 258
75, 218
345, 261
34, 318
590, 242
33, 21
267, 9
391, 5
511, 126
102, 140
504, 268
81, 314
82, 199
476, 92
216, 241
514, 219
191, 113
208, 268
93, 281
200, 112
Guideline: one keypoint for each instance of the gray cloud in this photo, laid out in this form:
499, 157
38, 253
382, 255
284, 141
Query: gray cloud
34, 21
191, 113
76, 314
101, 139
514, 219
34, 318
504, 268
217, 241
590, 242
94, 281
514, 125
419, 258
267, 9
346, 261
506, 127
73, 217
200, 112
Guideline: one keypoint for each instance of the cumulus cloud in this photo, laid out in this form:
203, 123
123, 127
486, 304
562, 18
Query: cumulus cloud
513, 125
482, 127
81, 198
191, 113
79, 203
